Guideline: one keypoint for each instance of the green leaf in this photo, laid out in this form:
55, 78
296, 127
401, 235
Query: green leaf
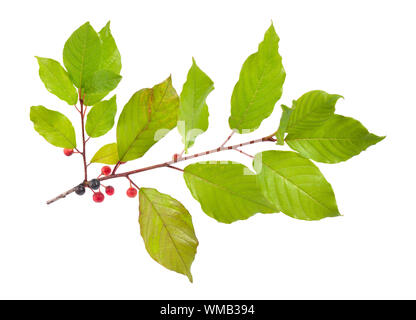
82, 54
311, 111
108, 154
338, 139
108, 76
259, 87
56, 80
284, 120
146, 118
227, 192
101, 82
54, 127
91, 99
295, 185
193, 111
110, 59
167, 231
100, 119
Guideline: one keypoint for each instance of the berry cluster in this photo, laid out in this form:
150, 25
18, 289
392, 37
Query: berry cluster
95, 184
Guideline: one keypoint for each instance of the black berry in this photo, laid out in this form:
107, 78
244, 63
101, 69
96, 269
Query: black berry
80, 190
94, 184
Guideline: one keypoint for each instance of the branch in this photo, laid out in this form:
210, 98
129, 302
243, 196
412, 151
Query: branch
176, 168
228, 139
193, 156
61, 196
171, 162
81, 101
245, 153
116, 167
132, 182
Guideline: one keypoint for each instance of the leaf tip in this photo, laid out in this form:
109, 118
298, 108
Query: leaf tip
271, 32
335, 97
377, 138
86, 24
39, 60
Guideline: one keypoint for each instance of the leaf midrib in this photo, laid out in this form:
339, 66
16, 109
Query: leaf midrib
101, 120
57, 130
167, 230
305, 115
326, 139
297, 187
84, 49
196, 113
145, 127
57, 80
259, 82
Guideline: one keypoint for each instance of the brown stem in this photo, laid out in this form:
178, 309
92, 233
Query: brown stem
176, 168
169, 163
132, 182
228, 139
192, 156
116, 167
81, 101
245, 153
61, 196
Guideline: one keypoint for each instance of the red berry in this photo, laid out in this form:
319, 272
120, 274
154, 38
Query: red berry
109, 190
98, 197
68, 152
106, 170
131, 192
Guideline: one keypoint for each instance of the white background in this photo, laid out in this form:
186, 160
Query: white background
364, 50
